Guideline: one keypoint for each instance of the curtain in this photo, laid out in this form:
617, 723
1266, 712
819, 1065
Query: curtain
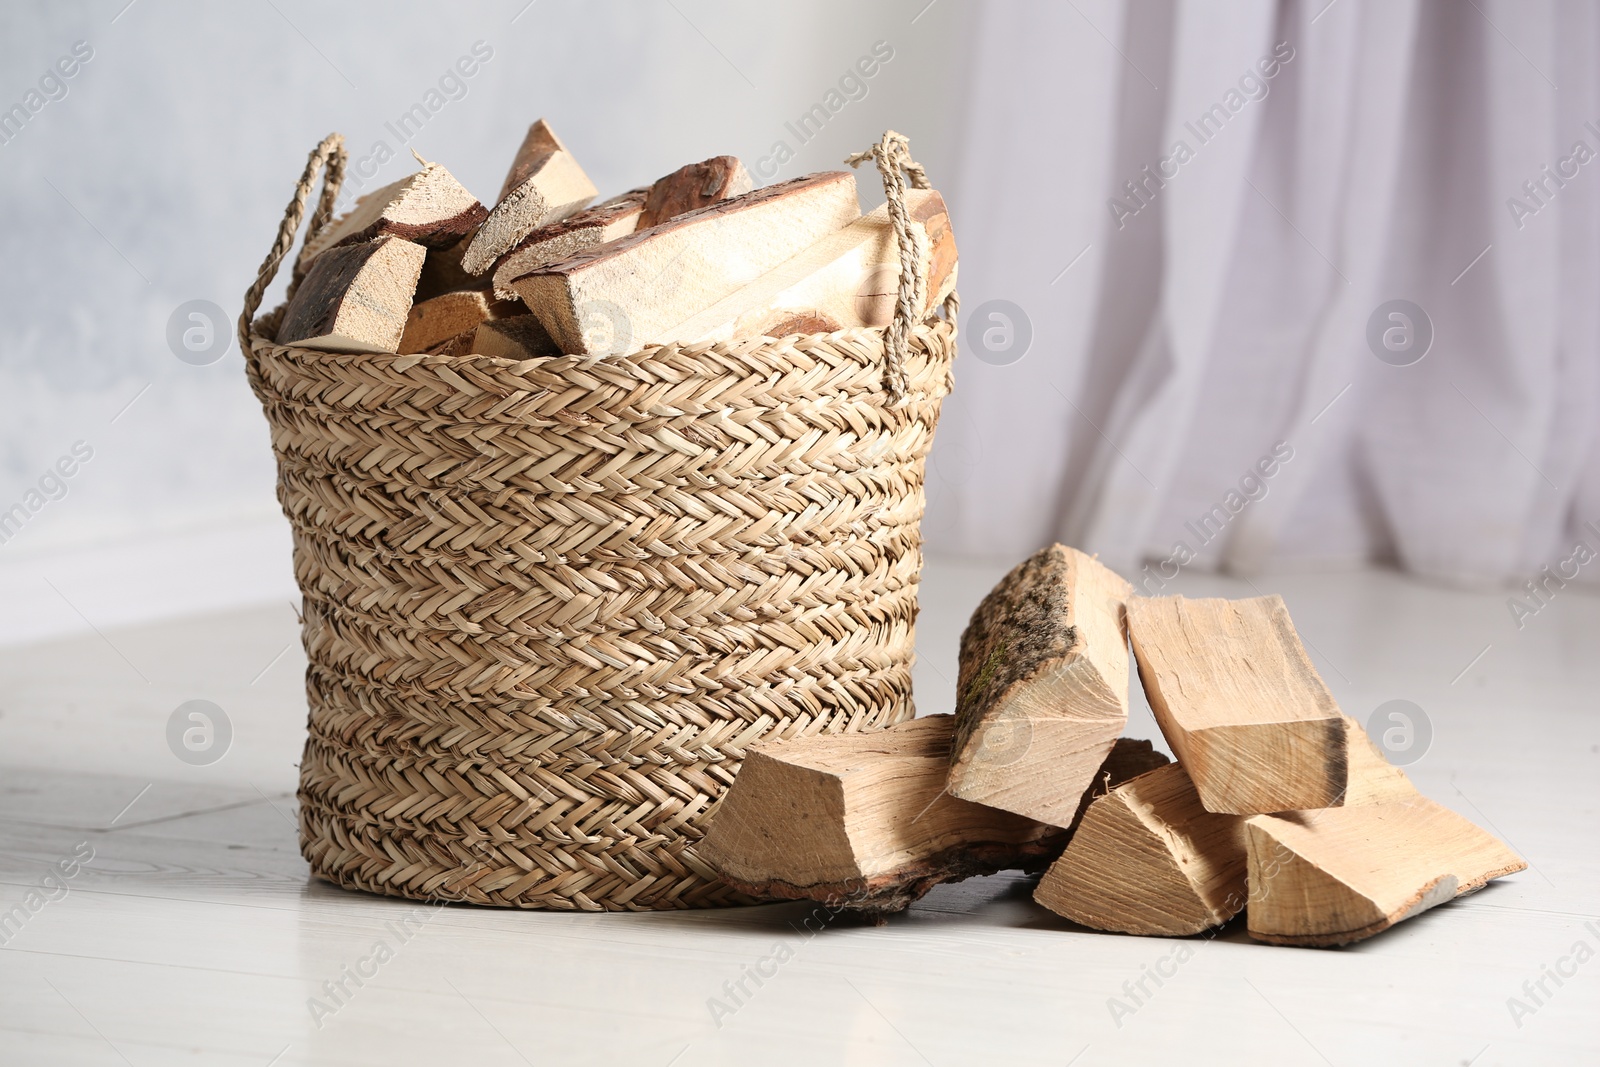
1299, 285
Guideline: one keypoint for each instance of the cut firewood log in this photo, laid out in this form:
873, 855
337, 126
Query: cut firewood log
863, 822
693, 187
355, 298
1043, 686
1148, 859
650, 281
449, 314
1337, 875
429, 207
514, 337
598, 225
1239, 701
846, 280
539, 142
545, 185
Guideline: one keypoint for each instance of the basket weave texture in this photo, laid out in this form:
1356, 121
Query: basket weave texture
549, 603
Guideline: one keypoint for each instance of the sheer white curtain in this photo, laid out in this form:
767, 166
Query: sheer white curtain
1205, 212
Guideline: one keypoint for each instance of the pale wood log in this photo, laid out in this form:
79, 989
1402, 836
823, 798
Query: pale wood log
429, 208
1043, 686
540, 141
449, 314
862, 821
598, 225
848, 279
1337, 875
1239, 701
694, 186
650, 281
355, 298
1148, 859
514, 337
545, 185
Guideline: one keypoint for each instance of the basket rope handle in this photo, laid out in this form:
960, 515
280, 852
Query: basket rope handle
893, 158
332, 155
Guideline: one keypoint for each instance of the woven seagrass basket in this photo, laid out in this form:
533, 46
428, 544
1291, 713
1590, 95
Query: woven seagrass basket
549, 603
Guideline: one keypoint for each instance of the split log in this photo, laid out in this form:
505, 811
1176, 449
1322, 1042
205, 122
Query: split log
429, 208
538, 143
846, 280
693, 187
862, 821
355, 298
1239, 701
647, 283
1338, 875
1148, 859
1043, 686
448, 315
545, 185
514, 337
601, 224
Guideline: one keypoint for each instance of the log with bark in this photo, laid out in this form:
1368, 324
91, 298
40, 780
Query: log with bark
863, 822
1042, 691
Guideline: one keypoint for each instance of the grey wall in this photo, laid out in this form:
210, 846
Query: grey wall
160, 175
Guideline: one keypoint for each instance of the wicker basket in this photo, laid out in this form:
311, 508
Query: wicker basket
548, 604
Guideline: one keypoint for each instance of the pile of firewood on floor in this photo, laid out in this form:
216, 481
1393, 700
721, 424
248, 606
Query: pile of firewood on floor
422, 267
1277, 803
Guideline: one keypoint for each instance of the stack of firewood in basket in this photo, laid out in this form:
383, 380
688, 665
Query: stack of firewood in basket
1277, 803
422, 267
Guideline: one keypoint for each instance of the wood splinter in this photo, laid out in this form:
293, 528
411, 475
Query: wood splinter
863, 822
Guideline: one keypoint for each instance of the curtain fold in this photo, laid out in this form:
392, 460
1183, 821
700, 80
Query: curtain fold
1207, 216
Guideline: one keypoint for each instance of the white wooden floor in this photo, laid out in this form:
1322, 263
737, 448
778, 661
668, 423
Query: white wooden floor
189, 931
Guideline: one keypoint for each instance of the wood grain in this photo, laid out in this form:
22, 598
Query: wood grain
1239, 701
646, 283
355, 298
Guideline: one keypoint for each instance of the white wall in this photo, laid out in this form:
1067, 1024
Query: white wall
160, 177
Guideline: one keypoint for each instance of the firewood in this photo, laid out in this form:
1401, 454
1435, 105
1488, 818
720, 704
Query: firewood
650, 281
1240, 703
863, 820
545, 185
514, 337
1148, 859
429, 207
848, 279
1043, 686
617, 217
449, 314
539, 142
355, 298
694, 186
1337, 875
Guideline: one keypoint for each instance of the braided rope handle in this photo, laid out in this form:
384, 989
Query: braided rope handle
332, 155
893, 158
